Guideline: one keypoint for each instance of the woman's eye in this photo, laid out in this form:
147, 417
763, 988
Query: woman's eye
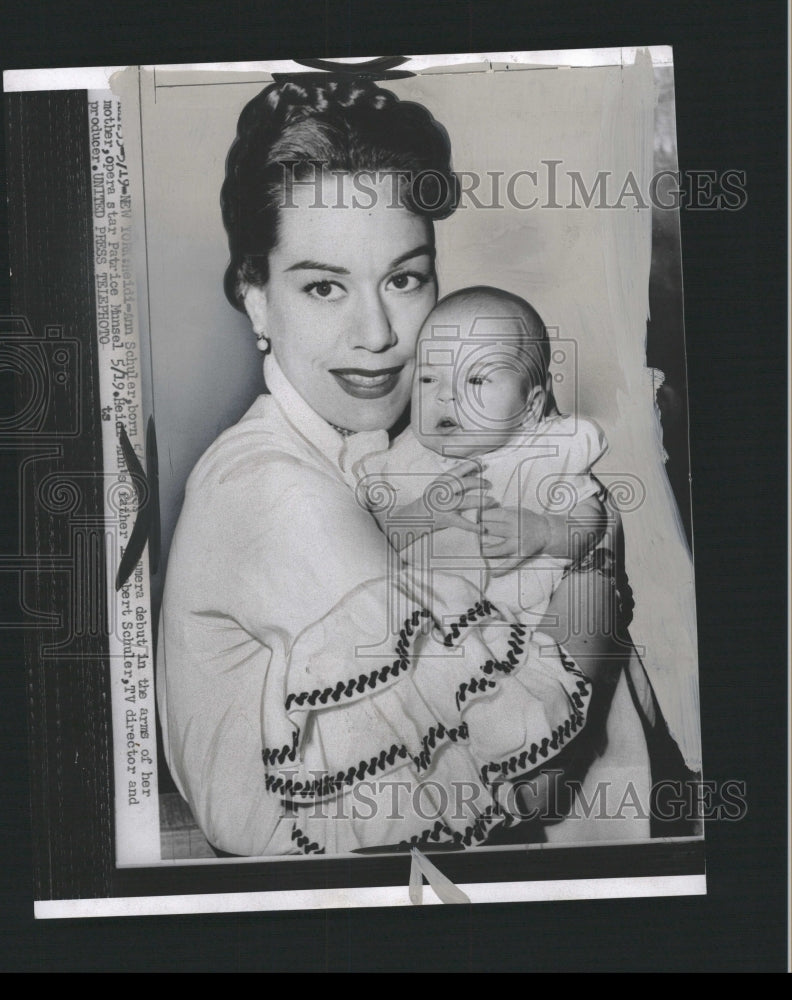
408, 281
327, 290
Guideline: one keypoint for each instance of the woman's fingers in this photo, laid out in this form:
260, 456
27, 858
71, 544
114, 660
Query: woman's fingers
494, 547
463, 489
495, 518
467, 467
459, 489
475, 500
456, 520
497, 531
472, 483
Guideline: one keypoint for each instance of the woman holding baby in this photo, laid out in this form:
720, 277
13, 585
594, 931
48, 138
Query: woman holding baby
318, 692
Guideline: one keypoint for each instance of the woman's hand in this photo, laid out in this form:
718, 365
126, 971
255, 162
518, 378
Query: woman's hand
444, 504
510, 531
515, 534
583, 615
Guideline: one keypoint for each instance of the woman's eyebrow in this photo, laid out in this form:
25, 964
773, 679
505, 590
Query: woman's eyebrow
424, 250
313, 265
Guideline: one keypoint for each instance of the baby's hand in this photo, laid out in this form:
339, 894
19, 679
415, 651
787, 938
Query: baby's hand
513, 532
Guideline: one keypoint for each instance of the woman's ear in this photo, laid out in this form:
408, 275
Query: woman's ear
255, 300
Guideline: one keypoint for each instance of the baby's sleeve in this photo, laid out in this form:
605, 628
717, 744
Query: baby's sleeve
568, 479
587, 447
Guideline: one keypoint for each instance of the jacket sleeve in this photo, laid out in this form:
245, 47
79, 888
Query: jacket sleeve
299, 658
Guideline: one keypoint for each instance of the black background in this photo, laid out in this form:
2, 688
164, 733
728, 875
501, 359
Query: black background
731, 76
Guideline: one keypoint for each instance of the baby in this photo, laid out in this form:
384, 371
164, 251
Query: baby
482, 395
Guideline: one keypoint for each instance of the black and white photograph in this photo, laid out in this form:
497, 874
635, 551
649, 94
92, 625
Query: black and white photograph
426, 582
310, 623
352, 428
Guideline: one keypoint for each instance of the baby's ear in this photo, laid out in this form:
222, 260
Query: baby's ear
535, 403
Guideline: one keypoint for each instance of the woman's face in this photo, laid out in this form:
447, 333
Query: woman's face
350, 285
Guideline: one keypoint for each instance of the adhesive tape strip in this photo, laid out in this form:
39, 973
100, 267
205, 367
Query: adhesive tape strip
422, 868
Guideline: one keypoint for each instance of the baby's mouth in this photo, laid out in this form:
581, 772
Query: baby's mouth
447, 424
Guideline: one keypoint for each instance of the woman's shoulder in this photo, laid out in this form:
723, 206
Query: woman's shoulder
260, 440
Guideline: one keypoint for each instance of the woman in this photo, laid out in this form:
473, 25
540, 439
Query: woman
313, 697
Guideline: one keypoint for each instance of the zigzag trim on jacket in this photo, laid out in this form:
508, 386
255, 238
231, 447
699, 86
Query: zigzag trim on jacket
279, 755
357, 685
438, 734
518, 763
306, 845
477, 832
482, 609
571, 667
331, 784
477, 685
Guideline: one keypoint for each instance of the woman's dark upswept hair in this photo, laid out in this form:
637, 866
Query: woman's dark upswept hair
294, 129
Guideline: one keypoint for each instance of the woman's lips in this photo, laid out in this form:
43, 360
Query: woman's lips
365, 384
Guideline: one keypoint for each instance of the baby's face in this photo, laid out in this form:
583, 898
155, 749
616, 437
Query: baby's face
468, 398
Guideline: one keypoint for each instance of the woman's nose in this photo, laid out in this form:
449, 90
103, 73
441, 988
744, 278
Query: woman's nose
373, 329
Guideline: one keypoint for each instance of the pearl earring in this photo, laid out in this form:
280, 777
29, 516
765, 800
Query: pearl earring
263, 343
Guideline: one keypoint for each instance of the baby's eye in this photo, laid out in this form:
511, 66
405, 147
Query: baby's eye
426, 379
477, 380
408, 281
327, 290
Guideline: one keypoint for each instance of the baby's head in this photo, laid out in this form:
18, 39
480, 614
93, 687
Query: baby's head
481, 372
